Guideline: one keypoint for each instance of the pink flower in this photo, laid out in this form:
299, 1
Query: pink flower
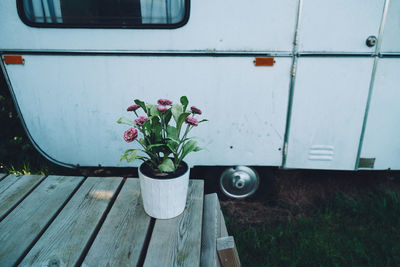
195, 110
130, 135
141, 120
164, 102
133, 107
191, 121
161, 108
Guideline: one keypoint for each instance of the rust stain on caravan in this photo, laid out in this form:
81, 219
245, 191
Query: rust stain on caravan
13, 60
264, 61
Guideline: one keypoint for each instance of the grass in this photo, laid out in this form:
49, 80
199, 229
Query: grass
343, 231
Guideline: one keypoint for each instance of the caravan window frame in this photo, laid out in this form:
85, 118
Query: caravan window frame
25, 20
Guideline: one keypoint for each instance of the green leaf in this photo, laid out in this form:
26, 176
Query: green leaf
126, 121
184, 102
187, 148
154, 145
156, 129
155, 120
141, 141
168, 116
173, 146
172, 132
181, 120
131, 155
147, 126
173, 141
141, 104
204, 120
197, 149
153, 110
176, 111
167, 165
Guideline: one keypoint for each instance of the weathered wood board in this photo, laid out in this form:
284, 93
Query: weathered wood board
222, 232
210, 233
2, 175
13, 188
227, 252
66, 238
20, 228
176, 242
213, 228
121, 238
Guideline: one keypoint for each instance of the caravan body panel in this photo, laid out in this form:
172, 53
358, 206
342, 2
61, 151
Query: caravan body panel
339, 26
259, 25
328, 109
391, 36
382, 139
71, 104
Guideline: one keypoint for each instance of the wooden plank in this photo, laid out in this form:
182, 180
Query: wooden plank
213, 227
222, 231
177, 241
13, 188
66, 238
222, 226
20, 228
210, 231
227, 252
121, 238
2, 175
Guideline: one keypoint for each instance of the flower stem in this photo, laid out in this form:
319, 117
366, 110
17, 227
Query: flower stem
182, 144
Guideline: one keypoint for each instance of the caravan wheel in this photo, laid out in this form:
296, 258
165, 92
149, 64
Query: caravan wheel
239, 182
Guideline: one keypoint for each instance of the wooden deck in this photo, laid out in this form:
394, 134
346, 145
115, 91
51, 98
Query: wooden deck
92, 221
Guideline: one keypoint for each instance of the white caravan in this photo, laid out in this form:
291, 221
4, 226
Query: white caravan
292, 83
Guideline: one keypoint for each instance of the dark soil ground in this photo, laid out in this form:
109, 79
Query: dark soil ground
286, 195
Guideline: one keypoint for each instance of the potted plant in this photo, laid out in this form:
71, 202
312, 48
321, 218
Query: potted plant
162, 132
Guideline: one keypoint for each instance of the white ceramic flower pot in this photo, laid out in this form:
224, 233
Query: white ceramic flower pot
164, 198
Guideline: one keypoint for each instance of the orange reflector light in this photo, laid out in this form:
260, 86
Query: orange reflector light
13, 60
264, 61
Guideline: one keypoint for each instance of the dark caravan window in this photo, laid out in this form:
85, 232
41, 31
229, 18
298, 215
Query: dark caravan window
104, 13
